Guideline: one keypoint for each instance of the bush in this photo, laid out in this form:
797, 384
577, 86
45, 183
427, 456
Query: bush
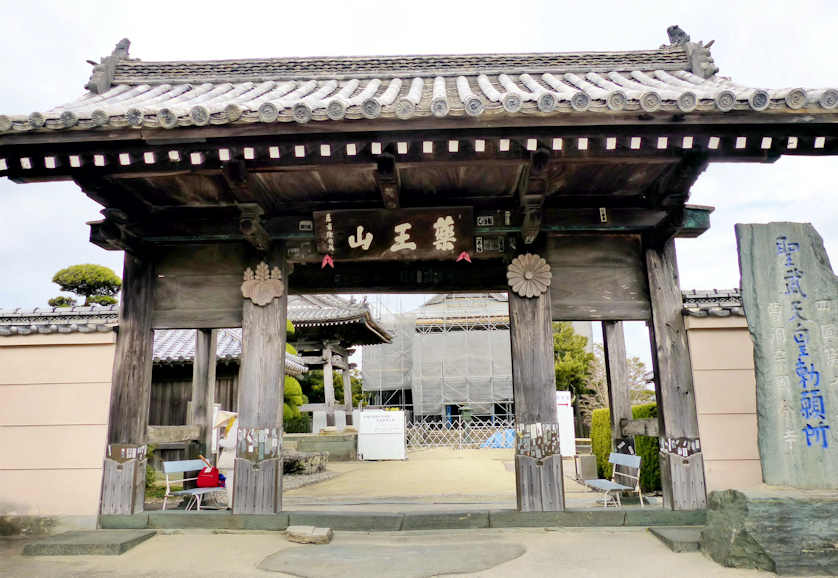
61, 301
601, 441
103, 300
300, 423
646, 447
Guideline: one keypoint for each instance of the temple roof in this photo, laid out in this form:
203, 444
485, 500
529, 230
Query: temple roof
172, 346
80, 319
713, 303
464, 308
680, 78
325, 317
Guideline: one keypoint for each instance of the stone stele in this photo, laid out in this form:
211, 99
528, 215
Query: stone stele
790, 295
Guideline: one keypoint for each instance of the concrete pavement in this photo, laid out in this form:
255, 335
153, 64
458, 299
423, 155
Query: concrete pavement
536, 552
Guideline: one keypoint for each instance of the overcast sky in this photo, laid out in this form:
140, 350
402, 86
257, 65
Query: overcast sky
765, 43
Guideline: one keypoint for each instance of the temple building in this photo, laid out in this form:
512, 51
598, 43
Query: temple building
560, 178
451, 353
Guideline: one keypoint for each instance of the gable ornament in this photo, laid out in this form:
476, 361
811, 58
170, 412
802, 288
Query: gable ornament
529, 275
263, 285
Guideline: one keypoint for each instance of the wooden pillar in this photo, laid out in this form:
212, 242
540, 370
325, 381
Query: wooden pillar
347, 395
538, 461
203, 385
616, 371
123, 475
328, 386
257, 482
682, 463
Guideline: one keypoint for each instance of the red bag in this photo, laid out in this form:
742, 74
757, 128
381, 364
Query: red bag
208, 478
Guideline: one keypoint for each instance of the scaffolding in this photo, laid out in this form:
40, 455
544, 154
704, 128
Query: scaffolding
449, 357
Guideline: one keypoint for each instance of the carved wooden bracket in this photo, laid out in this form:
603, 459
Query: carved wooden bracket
529, 275
263, 285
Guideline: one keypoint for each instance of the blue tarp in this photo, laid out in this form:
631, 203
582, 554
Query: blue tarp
501, 439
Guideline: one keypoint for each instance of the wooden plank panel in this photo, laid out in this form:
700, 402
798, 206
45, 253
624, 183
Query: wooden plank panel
257, 481
682, 475
328, 387
616, 373
131, 382
203, 384
534, 392
528, 484
199, 285
552, 485
122, 484
533, 376
258, 488
597, 277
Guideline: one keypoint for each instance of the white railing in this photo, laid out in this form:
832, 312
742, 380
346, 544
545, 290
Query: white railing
459, 433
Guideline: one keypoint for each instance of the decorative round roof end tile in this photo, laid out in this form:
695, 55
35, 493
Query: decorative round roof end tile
511, 102
580, 101
301, 112
268, 112
69, 119
759, 100
650, 101
99, 117
796, 98
167, 117
829, 98
405, 108
725, 100
687, 101
547, 102
474, 106
200, 115
336, 109
439, 107
37, 120
371, 108
616, 100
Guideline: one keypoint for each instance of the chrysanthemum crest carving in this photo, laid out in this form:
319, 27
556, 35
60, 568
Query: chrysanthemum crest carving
264, 285
529, 275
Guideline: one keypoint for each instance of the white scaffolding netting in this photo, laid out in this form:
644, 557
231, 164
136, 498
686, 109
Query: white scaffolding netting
389, 367
457, 354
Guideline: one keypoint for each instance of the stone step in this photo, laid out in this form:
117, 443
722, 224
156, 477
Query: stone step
88, 543
679, 538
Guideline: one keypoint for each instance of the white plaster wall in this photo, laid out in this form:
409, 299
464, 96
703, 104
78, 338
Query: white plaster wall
54, 395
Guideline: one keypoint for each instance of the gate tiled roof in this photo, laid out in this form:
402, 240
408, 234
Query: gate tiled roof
126, 93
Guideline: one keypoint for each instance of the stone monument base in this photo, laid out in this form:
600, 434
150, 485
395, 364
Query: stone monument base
779, 529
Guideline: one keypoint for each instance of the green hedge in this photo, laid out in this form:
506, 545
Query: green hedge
646, 447
601, 441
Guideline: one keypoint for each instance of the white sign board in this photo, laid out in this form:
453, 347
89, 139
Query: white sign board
381, 435
567, 431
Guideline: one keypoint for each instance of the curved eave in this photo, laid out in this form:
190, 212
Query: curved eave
131, 111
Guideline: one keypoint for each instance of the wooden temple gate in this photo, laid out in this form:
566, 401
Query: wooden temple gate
561, 178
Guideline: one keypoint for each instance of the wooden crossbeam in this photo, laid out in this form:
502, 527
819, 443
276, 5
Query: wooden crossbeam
639, 427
